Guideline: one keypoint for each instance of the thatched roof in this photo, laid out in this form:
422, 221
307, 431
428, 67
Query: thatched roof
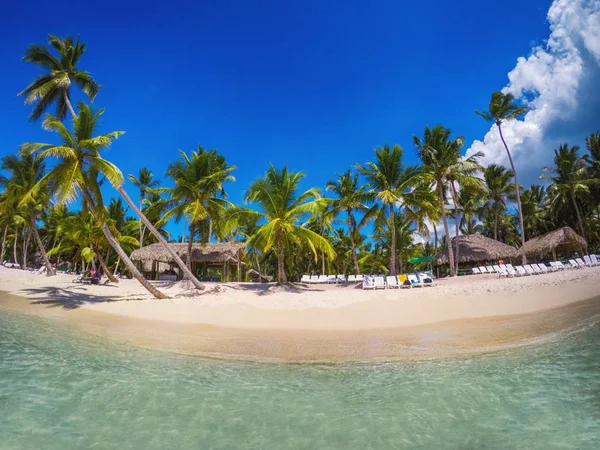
215, 253
561, 240
476, 248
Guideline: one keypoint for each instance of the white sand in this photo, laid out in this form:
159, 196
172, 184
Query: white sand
308, 321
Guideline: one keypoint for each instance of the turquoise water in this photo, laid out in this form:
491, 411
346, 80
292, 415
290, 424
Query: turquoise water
60, 389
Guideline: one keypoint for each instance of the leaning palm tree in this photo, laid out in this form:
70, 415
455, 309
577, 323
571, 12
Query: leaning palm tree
76, 173
198, 193
569, 180
387, 182
498, 190
442, 164
60, 73
350, 198
502, 107
283, 210
144, 182
26, 171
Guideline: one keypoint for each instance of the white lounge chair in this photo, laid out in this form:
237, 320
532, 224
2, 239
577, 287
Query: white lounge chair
542, 267
500, 271
482, 269
583, 263
305, 279
414, 280
490, 269
532, 269
359, 277
559, 265
331, 279
574, 264
521, 271
426, 280
404, 283
351, 278
368, 282
595, 261
512, 271
392, 282
379, 282
314, 279
476, 271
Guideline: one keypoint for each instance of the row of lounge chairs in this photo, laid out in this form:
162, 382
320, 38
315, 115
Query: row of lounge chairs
401, 281
507, 270
329, 279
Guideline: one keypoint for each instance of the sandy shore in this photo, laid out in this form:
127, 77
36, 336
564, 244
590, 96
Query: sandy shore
473, 313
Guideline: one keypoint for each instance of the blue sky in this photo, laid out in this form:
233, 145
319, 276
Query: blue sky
310, 84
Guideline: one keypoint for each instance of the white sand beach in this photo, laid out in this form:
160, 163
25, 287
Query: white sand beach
330, 320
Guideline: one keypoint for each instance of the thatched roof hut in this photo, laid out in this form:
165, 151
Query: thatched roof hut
475, 248
558, 241
155, 258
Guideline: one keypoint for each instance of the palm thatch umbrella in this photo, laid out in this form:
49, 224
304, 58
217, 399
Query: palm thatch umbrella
558, 241
476, 248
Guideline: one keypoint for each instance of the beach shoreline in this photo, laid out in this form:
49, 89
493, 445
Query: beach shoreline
317, 323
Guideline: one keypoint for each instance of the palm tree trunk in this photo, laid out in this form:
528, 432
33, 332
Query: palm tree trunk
352, 244
579, 219
445, 221
26, 240
161, 239
281, 278
49, 270
517, 190
495, 223
188, 257
393, 249
435, 237
117, 267
141, 226
120, 252
69, 106
456, 221
15, 244
107, 272
323, 262
4, 242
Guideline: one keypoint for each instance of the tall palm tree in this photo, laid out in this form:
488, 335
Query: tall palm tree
76, 173
469, 201
199, 192
283, 210
569, 180
499, 190
144, 182
388, 181
321, 222
26, 171
592, 142
60, 72
535, 210
502, 108
442, 164
350, 198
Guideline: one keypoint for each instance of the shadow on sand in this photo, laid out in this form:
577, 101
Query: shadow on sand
69, 298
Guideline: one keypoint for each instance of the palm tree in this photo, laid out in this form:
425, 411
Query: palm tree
499, 190
283, 210
198, 194
469, 201
388, 181
569, 180
61, 72
350, 198
442, 164
144, 182
80, 164
592, 142
321, 222
26, 171
535, 210
502, 107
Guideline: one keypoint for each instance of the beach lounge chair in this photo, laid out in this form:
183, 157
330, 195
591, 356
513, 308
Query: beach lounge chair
359, 277
594, 259
331, 279
490, 269
476, 271
426, 279
314, 279
574, 264
414, 280
368, 282
580, 262
529, 269
351, 278
392, 282
404, 282
543, 268
322, 279
521, 271
511, 271
379, 282
483, 270
502, 273
305, 279
341, 278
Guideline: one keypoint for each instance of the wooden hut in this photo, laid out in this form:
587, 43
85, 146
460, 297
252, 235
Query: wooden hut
476, 248
226, 257
561, 240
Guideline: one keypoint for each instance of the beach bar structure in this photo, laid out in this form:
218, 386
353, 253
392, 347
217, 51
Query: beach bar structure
562, 240
225, 257
476, 248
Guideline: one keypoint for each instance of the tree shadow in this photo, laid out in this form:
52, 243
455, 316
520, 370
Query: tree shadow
55, 297
261, 289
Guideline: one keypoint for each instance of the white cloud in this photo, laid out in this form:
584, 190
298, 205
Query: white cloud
561, 80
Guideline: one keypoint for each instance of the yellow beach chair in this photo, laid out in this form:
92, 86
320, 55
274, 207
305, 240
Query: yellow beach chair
404, 282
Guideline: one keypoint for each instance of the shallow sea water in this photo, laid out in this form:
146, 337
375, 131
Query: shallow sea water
62, 389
